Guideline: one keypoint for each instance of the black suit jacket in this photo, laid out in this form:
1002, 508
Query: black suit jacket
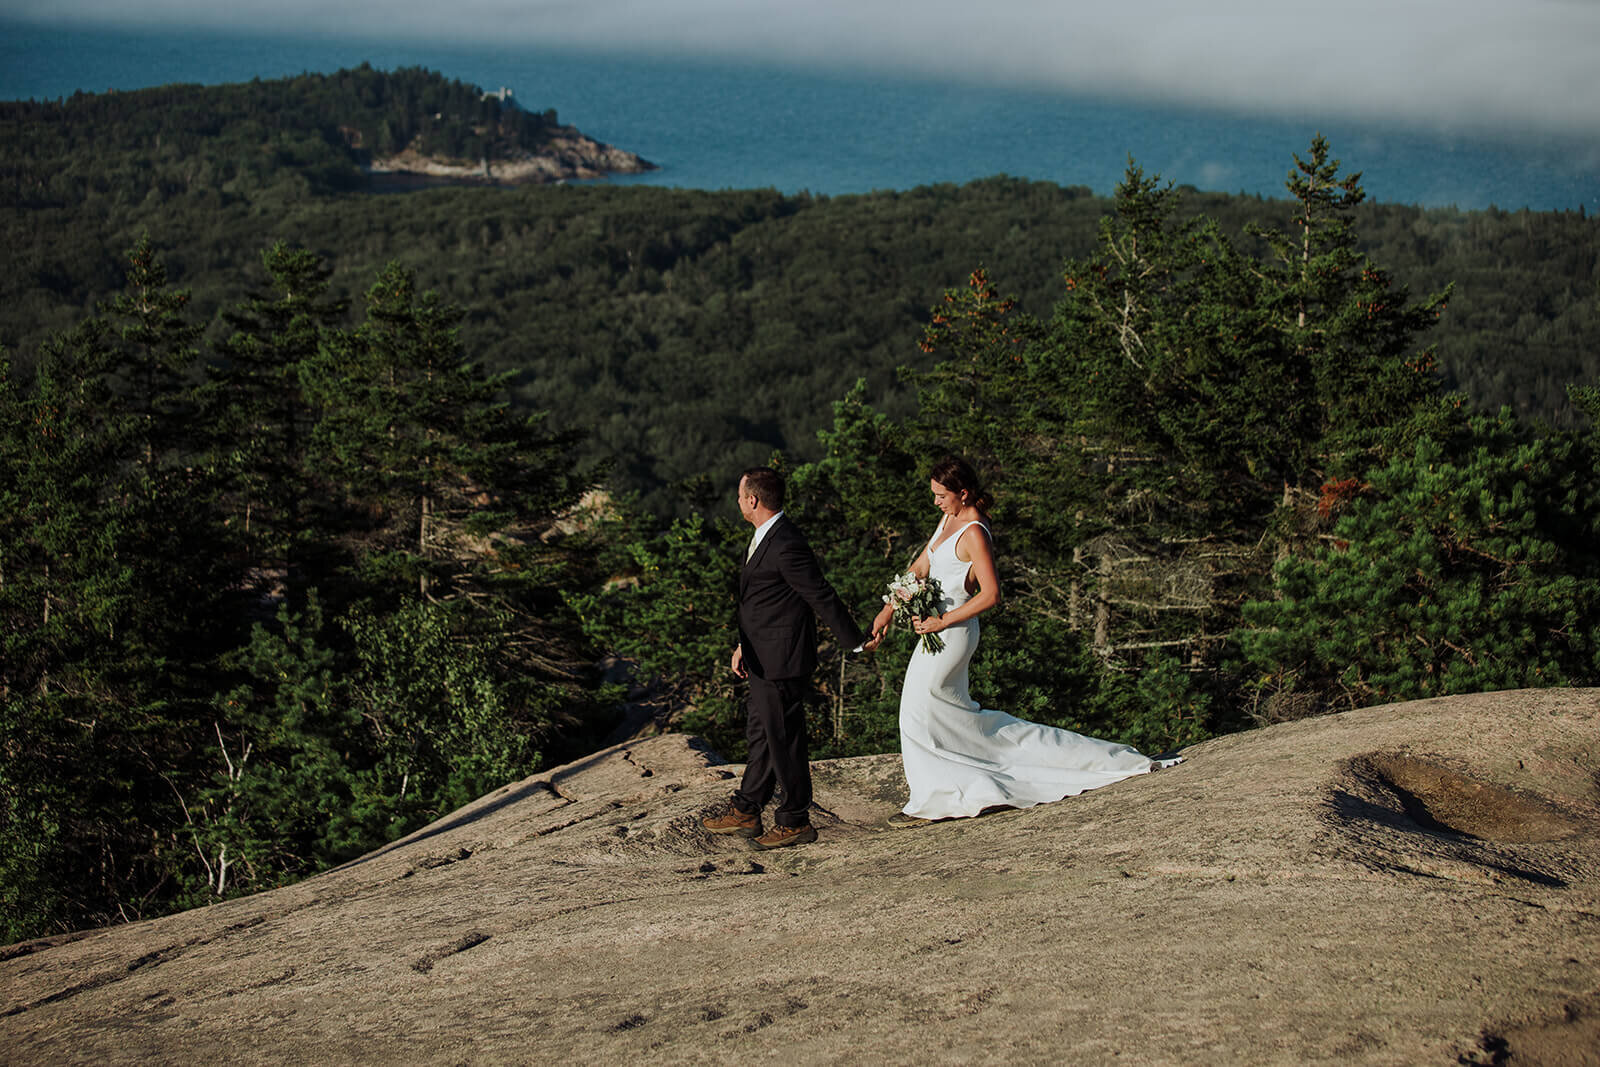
782, 593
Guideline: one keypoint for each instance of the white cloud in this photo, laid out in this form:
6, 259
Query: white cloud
1465, 63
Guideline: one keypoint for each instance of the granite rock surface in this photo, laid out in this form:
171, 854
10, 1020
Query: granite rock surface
1418, 883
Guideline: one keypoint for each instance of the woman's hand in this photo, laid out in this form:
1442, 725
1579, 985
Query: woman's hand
930, 624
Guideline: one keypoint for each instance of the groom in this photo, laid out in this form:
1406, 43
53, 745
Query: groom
780, 587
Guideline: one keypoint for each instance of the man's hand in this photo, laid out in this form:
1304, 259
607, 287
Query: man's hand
738, 662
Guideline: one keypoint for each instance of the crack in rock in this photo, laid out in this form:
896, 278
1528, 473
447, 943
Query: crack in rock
429, 863
461, 944
149, 959
568, 824
644, 772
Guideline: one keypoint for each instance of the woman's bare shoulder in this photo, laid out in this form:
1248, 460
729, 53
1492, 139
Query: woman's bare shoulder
974, 539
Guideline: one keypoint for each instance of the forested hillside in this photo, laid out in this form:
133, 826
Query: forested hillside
300, 546
648, 316
240, 139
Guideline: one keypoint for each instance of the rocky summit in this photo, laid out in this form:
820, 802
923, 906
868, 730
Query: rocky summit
1418, 883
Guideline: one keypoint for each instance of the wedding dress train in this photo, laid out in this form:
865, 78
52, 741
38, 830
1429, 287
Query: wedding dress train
961, 758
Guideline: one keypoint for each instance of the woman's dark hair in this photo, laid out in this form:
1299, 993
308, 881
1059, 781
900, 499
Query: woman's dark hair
766, 484
957, 475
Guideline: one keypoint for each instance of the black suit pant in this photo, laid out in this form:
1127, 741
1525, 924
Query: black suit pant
780, 757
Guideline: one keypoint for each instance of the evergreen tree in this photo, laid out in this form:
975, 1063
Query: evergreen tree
1177, 383
1466, 565
53, 546
114, 576
260, 417
458, 491
995, 397
188, 556
669, 606
88, 712
159, 354
272, 795
142, 763
1350, 329
409, 424
443, 719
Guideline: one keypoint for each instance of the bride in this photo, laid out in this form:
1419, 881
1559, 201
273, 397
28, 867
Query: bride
961, 759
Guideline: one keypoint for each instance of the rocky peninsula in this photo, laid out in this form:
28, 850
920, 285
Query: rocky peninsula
565, 155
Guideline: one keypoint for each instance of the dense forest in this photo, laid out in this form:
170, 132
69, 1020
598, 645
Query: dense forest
647, 316
236, 140
324, 512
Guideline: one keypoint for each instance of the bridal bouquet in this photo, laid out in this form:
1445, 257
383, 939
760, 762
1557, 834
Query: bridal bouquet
911, 597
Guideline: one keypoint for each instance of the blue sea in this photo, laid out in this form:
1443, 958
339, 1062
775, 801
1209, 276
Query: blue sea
724, 125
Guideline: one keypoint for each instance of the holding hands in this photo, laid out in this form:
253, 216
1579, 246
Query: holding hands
880, 628
921, 624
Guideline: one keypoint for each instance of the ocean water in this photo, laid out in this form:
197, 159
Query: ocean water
722, 125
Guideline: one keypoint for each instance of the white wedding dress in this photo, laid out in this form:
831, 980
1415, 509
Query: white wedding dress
961, 758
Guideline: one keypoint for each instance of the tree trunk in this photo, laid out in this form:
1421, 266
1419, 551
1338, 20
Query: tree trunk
425, 513
1102, 610
1075, 611
838, 703
44, 676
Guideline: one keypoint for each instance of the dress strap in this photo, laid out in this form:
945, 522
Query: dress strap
975, 522
953, 538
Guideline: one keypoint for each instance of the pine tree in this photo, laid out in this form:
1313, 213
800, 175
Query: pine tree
457, 495
159, 353
1177, 380
272, 795
81, 672
114, 574
1350, 327
1468, 564
259, 418
670, 608
995, 398
188, 556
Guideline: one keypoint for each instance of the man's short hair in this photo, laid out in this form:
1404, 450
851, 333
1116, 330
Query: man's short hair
766, 484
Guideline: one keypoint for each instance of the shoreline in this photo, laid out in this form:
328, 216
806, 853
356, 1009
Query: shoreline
569, 156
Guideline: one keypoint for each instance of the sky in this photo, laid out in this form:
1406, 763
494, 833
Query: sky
1511, 66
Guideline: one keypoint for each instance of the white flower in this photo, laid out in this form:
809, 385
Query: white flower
913, 597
